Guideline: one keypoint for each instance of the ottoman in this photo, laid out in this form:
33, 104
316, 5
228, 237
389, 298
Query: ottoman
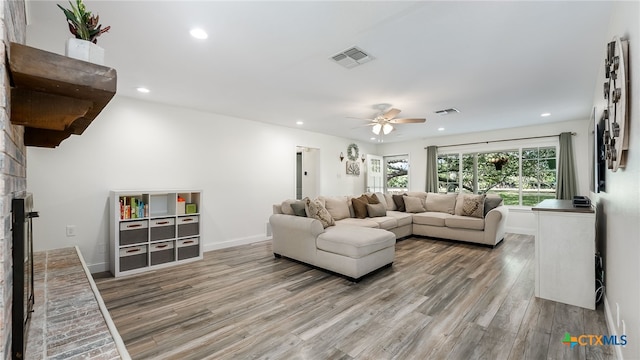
354, 251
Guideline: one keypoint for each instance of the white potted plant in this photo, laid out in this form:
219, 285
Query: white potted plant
86, 29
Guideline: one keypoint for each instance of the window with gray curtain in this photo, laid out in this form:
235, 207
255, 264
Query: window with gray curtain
566, 188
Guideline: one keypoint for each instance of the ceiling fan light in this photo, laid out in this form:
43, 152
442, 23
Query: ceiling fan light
386, 128
376, 129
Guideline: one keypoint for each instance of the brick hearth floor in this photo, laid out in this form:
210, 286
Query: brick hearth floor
67, 322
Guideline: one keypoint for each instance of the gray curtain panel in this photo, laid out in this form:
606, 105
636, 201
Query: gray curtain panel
432, 169
566, 188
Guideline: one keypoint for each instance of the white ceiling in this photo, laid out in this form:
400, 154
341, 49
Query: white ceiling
501, 64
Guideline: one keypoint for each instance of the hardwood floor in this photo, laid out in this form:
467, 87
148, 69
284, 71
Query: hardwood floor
440, 300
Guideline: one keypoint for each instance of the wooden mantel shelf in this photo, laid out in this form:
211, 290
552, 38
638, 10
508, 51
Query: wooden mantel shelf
55, 96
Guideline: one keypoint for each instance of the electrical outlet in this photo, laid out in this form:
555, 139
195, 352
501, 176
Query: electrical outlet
71, 230
617, 315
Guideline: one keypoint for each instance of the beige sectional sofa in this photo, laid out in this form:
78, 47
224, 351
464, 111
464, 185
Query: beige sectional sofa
342, 240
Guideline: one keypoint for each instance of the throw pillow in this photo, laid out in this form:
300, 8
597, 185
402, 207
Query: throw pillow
316, 210
413, 204
444, 203
299, 208
473, 205
372, 199
399, 201
360, 207
376, 210
491, 202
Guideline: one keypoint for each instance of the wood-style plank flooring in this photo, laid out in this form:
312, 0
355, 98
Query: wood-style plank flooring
440, 300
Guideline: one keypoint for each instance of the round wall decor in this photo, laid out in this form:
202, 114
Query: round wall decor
353, 152
615, 137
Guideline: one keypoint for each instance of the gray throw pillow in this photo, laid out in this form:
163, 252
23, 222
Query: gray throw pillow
376, 210
299, 208
491, 202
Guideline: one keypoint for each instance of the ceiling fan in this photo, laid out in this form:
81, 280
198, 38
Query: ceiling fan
384, 121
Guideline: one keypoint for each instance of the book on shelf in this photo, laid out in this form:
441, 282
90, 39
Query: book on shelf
133, 208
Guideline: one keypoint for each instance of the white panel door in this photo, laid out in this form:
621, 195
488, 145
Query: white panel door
375, 177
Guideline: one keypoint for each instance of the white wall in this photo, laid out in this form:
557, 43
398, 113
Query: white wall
619, 206
521, 219
242, 166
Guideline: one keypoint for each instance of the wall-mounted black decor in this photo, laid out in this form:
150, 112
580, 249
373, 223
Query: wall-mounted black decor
615, 115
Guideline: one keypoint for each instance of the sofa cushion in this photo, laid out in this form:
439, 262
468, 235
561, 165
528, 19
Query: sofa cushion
491, 202
464, 222
430, 218
402, 218
399, 201
391, 205
376, 210
360, 207
413, 204
470, 205
316, 210
354, 242
444, 203
299, 208
368, 222
338, 207
385, 222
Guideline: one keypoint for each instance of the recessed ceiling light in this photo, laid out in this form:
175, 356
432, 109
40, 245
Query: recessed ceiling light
373, 138
143, 90
199, 33
545, 114
440, 129
299, 122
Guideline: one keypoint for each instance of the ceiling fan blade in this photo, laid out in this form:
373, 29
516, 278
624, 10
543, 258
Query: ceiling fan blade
357, 118
407, 121
390, 114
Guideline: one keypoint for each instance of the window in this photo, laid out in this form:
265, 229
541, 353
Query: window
538, 175
396, 172
448, 170
523, 176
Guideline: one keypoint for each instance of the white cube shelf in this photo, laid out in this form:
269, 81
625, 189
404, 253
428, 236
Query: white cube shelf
151, 229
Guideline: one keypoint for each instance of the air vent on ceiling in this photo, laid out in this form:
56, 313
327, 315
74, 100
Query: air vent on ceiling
448, 111
352, 57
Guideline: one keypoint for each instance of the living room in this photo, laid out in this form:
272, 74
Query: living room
243, 165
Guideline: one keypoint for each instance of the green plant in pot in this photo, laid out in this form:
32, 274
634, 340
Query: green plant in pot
82, 24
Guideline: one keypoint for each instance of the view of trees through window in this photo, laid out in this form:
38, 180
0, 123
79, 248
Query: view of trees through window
397, 173
499, 173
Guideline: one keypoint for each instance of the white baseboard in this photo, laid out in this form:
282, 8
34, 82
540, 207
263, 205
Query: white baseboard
235, 242
520, 230
611, 326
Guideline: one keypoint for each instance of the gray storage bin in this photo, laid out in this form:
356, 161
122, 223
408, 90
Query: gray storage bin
162, 252
188, 248
134, 257
134, 232
188, 226
163, 229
